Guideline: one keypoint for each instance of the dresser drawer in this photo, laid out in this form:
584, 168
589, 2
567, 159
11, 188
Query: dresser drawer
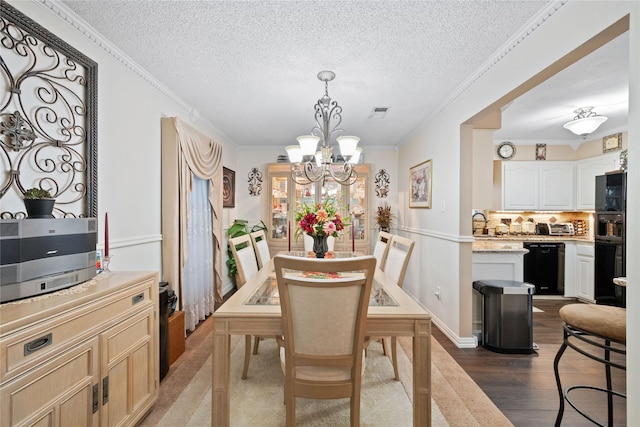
35, 344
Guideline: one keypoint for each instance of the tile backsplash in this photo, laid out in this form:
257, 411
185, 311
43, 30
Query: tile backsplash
582, 221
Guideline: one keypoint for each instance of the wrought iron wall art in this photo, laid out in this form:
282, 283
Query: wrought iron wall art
48, 119
382, 181
255, 182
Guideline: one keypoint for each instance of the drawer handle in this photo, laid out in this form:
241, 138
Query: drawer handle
38, 344
136, 299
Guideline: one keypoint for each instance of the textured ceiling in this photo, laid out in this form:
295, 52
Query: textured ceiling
249, 68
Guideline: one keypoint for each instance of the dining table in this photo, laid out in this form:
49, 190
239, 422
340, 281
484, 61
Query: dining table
254, 309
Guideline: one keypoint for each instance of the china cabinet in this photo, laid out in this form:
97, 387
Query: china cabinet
285, 195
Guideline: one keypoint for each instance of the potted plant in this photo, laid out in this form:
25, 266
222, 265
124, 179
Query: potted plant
38, 202
384, 217
239, 228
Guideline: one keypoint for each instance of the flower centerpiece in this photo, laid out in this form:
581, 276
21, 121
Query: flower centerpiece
319, 221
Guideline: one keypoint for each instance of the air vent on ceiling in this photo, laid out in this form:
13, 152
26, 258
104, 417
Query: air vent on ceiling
378, 112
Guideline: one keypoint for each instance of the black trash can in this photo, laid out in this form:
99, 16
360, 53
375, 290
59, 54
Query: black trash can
507, 315
163, 316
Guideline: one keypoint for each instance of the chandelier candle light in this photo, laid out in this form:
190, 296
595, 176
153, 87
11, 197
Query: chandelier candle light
311, 165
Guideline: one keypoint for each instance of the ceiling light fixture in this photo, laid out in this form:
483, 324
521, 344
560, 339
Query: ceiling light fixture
585, 122
309, 165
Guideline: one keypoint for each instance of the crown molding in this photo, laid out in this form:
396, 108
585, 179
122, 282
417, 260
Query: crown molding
529, 28
64, 13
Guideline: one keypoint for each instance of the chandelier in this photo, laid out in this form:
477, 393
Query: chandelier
308, 164
585, 121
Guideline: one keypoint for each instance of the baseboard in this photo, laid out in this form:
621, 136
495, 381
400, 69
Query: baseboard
460, 342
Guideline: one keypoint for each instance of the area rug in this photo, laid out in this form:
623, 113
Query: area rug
185, 394
537, 310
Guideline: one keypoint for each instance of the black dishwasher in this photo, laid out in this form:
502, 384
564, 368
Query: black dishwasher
544, 267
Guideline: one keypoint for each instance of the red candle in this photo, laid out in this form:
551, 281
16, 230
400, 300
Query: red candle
106, 234
353, 238
289, 234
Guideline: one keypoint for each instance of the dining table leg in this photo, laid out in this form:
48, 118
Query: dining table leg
422, 373
220, 387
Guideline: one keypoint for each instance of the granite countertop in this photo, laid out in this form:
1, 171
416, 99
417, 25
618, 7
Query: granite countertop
533, 238
494, 246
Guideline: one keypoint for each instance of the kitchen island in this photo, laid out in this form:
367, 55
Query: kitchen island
498, 260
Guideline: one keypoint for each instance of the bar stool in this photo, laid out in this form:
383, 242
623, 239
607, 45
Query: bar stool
595, 328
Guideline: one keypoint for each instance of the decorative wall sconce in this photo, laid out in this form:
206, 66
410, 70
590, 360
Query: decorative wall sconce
255, 182
382, 183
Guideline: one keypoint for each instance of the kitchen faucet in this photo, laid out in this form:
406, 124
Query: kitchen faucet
483, 217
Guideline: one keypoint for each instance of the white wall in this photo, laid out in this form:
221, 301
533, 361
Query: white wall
129, 111
442, 233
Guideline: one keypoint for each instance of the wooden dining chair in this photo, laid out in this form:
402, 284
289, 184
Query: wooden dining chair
245, 256
259, 240
324, 317
395, 266
381, 248
308, 243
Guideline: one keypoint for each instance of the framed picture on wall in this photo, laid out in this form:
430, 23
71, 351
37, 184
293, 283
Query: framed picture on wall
612, 142
420, 185
228, 188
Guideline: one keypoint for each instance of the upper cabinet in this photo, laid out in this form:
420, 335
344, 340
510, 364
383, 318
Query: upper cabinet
538, 185
586, 172
285, 195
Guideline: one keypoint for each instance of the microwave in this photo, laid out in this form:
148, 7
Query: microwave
556, 229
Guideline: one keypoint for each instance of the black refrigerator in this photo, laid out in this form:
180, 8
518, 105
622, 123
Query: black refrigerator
610, 238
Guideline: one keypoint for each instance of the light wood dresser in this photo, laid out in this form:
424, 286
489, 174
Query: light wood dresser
82, 359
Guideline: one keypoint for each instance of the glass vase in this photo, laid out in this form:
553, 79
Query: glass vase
320, 246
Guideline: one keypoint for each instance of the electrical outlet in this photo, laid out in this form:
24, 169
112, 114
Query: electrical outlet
443, 206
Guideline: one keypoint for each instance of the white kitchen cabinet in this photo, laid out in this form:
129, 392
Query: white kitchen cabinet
570, 269
538, 185
586, 172
585, 264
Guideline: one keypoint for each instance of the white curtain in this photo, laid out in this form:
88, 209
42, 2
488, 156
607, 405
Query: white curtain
198, 281
187, 154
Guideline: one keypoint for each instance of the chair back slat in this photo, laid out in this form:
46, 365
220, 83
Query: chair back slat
381, 248
245, 258
260, 245
398, 256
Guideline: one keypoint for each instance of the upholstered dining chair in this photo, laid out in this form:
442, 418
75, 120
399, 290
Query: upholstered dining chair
324, 312
259, 240
395, 266
308, 243
245, 256
381, 248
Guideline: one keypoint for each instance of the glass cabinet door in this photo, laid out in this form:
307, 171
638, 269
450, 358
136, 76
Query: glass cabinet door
286, 196
358, 209
279, 207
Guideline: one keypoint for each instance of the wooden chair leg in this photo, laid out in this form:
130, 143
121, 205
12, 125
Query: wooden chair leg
247, 355
256, 343
384, 346
394, 356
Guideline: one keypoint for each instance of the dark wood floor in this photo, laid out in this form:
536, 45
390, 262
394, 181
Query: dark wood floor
523, 386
